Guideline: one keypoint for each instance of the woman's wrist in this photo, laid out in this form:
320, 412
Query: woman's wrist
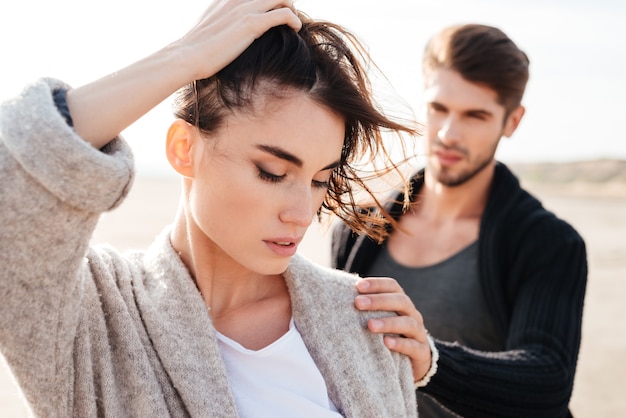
60, 101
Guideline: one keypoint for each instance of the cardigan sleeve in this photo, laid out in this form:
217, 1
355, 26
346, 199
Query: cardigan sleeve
53, 188
534, 374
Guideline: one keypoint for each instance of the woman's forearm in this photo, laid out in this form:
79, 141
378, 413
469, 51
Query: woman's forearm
101, 110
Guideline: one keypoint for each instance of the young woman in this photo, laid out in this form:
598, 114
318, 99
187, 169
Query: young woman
219, 317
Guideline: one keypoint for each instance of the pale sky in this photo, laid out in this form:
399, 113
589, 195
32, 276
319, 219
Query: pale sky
575, 100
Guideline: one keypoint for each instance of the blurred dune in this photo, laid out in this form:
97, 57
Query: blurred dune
591, 195
590, 178
599, 171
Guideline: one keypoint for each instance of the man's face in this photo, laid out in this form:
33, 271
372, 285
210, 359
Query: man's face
464, 124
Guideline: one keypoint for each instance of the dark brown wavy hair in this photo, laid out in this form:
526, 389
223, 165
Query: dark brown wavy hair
330, 65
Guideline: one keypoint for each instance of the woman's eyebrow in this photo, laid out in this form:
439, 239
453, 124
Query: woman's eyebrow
331, 166
287, 156
281, 153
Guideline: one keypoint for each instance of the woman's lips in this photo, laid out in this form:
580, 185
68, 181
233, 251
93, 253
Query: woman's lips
283, 247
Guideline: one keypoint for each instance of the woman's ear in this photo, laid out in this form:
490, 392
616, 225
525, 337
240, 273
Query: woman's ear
180, 136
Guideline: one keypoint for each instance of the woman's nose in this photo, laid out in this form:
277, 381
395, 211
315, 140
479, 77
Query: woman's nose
298, 208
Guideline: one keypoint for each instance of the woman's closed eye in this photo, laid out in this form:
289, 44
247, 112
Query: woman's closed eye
269, 177
320, 184
277, 178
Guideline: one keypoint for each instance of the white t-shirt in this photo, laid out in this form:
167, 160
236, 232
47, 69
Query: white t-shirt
280, 380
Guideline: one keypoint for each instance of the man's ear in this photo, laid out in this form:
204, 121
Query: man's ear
513, 121
180, 137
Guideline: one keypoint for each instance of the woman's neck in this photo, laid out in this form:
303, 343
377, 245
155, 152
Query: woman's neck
250, 308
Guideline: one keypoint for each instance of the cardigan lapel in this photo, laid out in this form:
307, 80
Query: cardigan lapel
313, 332
324, 313
183, 335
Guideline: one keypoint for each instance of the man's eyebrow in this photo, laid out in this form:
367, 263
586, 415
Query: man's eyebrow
436, 104
287, 156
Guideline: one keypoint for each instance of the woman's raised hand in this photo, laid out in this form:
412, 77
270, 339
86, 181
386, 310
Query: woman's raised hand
227, 28
101, 110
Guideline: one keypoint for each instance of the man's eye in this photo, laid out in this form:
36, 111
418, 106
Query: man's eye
437, 108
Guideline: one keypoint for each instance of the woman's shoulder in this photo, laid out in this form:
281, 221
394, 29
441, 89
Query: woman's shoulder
324, 288
313, 287
306, 273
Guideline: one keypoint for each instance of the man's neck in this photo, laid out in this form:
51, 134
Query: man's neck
442, 221
467, 200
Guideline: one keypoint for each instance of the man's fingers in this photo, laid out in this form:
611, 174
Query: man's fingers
400, 325
389, 302
406, 346
419, 353
369, 285
408, 333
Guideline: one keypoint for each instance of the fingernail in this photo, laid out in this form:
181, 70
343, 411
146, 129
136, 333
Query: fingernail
362, 301
390, 342
376, 324
363, 285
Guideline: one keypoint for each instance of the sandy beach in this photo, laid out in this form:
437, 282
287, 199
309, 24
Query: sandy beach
598, 213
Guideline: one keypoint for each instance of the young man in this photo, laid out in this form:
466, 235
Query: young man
499, 280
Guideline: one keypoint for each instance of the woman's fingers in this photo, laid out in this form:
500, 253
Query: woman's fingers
226, 29
290, 19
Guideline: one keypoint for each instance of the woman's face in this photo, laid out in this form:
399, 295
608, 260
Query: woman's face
260, 180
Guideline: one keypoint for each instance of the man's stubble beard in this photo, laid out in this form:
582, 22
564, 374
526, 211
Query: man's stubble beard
450, 180
463, 177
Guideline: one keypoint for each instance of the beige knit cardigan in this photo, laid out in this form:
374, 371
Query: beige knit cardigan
91, 332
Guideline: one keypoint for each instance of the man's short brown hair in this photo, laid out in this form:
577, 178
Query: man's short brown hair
481, 54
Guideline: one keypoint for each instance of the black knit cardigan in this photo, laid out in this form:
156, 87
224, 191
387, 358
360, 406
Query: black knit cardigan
533, 271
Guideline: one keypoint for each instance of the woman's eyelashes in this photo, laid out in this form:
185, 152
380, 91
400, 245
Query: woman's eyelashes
275, 178
272, 178
320, 184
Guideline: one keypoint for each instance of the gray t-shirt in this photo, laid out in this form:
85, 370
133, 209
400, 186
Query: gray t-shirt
450, 298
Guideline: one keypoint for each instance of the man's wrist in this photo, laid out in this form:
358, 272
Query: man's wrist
433, 364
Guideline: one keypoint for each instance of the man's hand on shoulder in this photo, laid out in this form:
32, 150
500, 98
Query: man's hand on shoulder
408, 333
